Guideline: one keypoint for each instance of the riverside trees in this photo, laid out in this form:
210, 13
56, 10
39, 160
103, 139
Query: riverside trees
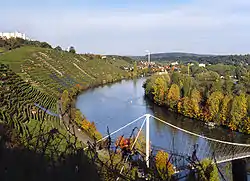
205, 96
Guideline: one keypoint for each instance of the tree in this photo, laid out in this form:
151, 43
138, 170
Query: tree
185, 107
240, 71
214, 102
58, 48
176, 78
160, 87
163, 165
186, 89
45, 45
228, 85
207, 171
225, 109
173, 96
78, 118
72, 49
238, 111
195, 103
135, 69
217, 85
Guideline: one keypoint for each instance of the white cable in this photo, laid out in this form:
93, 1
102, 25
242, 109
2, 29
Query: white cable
133, 144
117, 130
211, 139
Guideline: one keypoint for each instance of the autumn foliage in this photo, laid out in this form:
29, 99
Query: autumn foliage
205, 97
163, 165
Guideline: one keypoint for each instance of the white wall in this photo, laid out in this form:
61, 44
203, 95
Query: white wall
12, 35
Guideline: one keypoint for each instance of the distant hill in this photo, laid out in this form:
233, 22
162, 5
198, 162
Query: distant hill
201, 58
177, 54
170, 55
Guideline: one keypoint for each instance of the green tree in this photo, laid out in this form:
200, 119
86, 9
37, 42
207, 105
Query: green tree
195, 68
173, 96
207, 76
240, 71
176, 78
72, 49
45, 45
187, 85
58, 48
208, 171
228, 85
135, 69
78, 118
217, 85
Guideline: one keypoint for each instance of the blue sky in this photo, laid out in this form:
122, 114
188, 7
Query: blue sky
129, 27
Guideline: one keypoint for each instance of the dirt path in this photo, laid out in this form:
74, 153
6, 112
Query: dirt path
72, 127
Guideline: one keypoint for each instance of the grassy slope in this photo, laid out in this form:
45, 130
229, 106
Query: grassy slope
37, 64
29, 81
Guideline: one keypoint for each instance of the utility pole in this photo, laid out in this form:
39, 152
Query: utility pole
147, 140
148, 56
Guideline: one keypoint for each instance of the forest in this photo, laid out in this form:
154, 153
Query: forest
207, 59
208, 94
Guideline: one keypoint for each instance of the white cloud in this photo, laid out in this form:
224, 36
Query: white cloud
201, 26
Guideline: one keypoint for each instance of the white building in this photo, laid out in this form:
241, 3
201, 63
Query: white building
202, 65
12, 35
174, 63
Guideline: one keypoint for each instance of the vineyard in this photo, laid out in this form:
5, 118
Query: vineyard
21, 104
53, 71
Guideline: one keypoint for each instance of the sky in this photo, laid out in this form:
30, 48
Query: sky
129, 27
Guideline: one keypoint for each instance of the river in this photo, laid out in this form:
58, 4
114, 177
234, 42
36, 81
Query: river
117, 104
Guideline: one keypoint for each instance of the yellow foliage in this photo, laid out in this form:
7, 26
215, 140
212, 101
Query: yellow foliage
163, 165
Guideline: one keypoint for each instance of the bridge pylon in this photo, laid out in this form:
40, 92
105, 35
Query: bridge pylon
147, 139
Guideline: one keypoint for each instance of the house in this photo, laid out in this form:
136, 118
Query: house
202, 65
174, 63
104, 57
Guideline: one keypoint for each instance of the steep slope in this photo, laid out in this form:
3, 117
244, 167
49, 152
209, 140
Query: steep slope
51, 71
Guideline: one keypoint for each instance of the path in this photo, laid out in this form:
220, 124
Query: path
72, 127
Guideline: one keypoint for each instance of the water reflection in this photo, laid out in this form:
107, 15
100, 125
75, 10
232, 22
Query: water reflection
115, 105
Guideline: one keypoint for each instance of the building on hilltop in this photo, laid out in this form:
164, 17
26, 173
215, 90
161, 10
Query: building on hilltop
12, 35
202, 65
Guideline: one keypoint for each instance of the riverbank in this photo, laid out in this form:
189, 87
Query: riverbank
82, 124
181, 94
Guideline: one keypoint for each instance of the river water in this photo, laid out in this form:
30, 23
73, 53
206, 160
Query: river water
115, 105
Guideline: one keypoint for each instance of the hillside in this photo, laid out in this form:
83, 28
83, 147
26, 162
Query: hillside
191, 57
51, 71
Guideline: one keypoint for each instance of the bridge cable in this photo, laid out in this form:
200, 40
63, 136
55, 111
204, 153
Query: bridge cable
201, 136
117, 130
133, 145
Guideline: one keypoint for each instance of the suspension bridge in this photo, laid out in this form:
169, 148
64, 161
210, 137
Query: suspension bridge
221, 151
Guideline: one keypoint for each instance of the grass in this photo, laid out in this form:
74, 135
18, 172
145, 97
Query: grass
2, 50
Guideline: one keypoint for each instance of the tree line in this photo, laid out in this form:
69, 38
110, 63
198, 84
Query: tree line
205, 96
215, 59
13, 43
